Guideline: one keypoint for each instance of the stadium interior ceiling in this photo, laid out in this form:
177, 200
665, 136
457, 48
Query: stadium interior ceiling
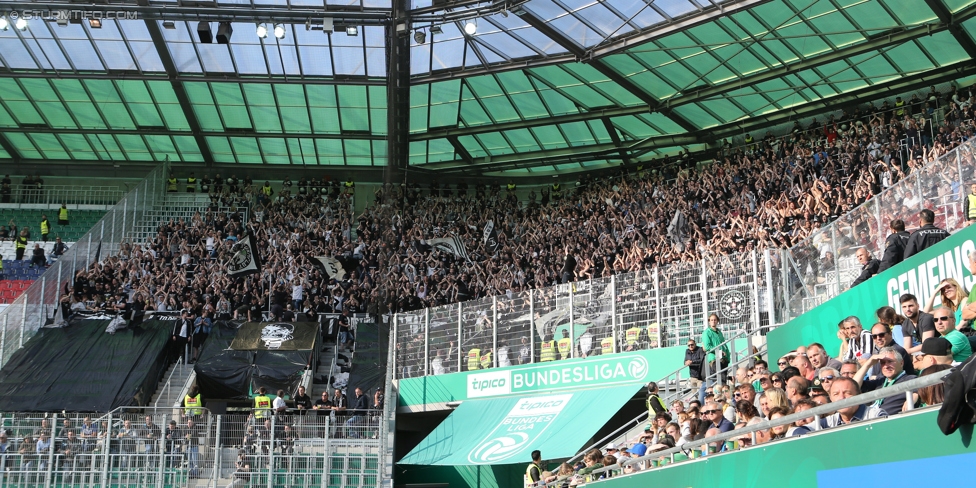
442, 88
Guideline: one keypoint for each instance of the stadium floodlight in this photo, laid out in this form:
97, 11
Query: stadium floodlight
436, 29
352, 31
4, 23
20, 23
169, 24
470, 27
95, 23
420, 36
261, 30
279, 31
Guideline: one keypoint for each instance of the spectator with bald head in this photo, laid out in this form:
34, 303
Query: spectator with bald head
805, 367
797, 389
945, 325
842, 389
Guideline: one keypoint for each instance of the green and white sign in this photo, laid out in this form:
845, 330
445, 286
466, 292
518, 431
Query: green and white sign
918, 275
506, 430
630, 368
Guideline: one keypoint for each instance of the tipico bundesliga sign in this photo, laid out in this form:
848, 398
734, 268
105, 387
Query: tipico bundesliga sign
600, 372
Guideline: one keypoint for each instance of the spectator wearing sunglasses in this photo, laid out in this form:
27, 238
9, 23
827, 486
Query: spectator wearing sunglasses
882, 337
892, 371
945, 324
718, 423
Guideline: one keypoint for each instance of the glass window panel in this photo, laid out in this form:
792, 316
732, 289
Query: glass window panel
274, 150
662, 123
249, 58
349, 60
246, 149
556, 102
909, 58
909, 11
375, 62
472, 113
23, 145
188, 148
522, 140
134, 30
378, 122
115, 55
161, 147
444, 103
418, 108
847, 80
24, 112
215, 58
6, 120
418, 152
358, 152
184, 57
49, 146
447, 54
694, 114
82, 55
957, 5
507, 44
944, 48
140, 103
14, 52
230, 102
50, 55
4, 154
316, 60
472, 146
495, 143
440, 150
550, 137
724, 109
377, 97
353, 113
577, 134
57, 115
633, 127
330, 152
577, 31
135, 147
105, 146
220, 149
420, 57
674, 8
86, 115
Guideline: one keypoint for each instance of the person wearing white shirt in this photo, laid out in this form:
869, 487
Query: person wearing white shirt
279, 404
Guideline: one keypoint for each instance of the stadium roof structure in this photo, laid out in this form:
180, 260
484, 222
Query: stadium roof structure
530, 88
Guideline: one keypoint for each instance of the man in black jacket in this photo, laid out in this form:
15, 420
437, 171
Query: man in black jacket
895, 244
869, 266
926, 236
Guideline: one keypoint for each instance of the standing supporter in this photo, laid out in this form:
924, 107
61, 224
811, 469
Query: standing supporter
895, 244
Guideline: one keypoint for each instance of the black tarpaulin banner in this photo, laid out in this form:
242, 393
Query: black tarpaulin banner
223, 372
82, 369
275, 336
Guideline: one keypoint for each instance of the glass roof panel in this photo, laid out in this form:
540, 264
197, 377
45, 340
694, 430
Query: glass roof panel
473, 146
220, 149
329, 152
522, 140
909, 11
246, 150
577, 133
358, 152
419, 102
444, 103
23, 145
495, 143
957, 5
188, 148
274, 150
550, 136
944, 48
4, 154
353, 111
49, 145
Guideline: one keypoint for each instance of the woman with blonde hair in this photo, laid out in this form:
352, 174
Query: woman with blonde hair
953, 296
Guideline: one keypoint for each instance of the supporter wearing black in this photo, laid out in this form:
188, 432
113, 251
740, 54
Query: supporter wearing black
303, 402
37, 257
895, 244
694, 358
323, 405
869, 266
918, 325
926, 236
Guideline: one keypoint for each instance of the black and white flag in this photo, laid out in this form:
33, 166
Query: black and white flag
490, 236
452, 244
244, 258
331, 266
676, 229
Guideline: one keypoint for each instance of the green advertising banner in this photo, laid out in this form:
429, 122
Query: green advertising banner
630, 368
918, 275
507, 430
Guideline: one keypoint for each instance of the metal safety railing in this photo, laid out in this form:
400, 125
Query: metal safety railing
726, 442
667, 305
32, 197
37, 304
160, 447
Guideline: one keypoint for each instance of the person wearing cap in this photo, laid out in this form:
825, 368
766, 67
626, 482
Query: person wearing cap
935, 350
893, 372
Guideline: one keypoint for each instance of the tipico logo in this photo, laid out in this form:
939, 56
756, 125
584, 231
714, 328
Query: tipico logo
494, 383
524, 424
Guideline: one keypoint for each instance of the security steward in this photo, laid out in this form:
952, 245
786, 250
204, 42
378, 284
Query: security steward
191, 184
350, 187
969, 207
474, 359
262, 405
45, 227
925, 236
192, 403
533, 472
548, 351
21, 244
267, 191
171, 184
565, 345
557, 191
606, 345
486, 360
63, 214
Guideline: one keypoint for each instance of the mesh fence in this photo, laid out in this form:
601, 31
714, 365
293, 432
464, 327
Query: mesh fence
39, 302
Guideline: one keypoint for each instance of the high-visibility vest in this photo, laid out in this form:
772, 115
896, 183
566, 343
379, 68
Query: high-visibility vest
474, 356
972, 207
486, 360
63, 214
564, 346
191, 184
350, 186
171, 184
631, 335
192, 405
21, 242
900, 111
749, 139
510, 187
548, 351
45, 227
606, 345
528, 474
267, 191
262, 406
556, 188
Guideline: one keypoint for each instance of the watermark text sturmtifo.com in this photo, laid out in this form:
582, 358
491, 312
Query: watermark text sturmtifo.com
72, 14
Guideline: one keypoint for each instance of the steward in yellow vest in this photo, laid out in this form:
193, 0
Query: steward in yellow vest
565, 345
350, 187
63, 214
171, 184
533, 472
548, 351
556, 191
192, 403
262, 404
191, 184
266, 190
486, 360
632, 335
474, 356
45, 228
21, 244
970, 210
606, 345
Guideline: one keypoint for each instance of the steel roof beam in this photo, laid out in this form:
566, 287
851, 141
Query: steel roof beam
179, 90
945, 16
187, 78
7, 146
658, 31
170, 132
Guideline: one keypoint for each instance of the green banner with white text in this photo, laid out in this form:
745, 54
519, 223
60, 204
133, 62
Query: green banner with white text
918, 275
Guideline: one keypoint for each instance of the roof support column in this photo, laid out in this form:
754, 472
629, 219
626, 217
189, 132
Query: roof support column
398, 92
